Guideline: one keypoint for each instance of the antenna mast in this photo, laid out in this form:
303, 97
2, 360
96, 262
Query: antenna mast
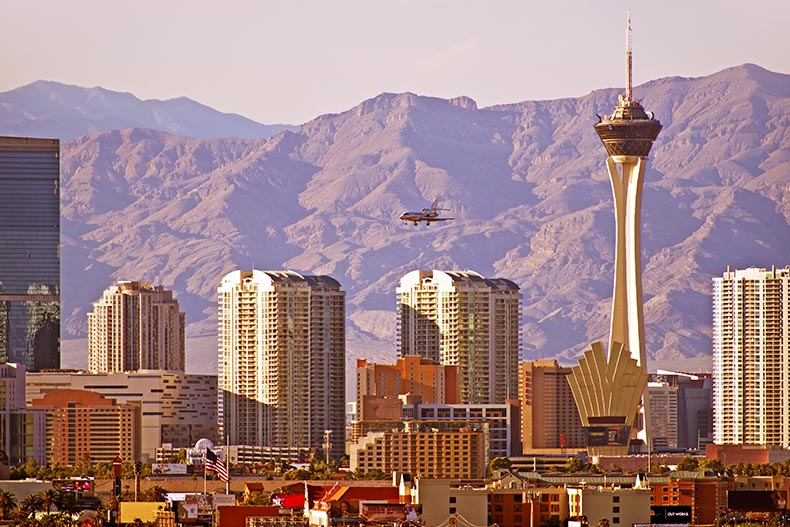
628, 57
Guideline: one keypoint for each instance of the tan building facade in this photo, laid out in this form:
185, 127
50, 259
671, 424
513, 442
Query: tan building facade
549, 416
176, 408
751, 357
281, 360
136, 326
619, 506
427, 454
431, 381
86, 426
462, 319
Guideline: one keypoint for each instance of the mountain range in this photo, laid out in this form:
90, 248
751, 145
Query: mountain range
526, 183
52, 109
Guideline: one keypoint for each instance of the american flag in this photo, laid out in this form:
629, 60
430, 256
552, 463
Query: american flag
215, 464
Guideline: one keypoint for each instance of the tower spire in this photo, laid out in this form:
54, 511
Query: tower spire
628, 57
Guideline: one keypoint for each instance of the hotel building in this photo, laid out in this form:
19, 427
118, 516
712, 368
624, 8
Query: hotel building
281, 360
460, 318
136, 326
751, 357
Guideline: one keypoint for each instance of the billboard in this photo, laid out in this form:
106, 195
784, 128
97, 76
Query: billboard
169, 469
757, 500
670, 514
617, 435
370, 512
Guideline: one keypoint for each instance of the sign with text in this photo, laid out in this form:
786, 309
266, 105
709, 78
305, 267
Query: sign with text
607, 435
370, 512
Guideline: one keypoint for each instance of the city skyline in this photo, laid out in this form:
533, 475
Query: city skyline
263, 60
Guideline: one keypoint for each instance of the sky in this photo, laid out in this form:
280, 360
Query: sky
289, 61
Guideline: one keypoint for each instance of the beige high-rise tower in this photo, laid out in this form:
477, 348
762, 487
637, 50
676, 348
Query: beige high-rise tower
136, 326
281, 364
460, 318
608, 388
751, 357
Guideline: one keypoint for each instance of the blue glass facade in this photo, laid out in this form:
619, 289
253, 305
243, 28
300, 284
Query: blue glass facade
30, 252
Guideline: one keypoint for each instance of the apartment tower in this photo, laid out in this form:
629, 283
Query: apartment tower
281, 360
751, 357
30, 252
460, 318
136, 326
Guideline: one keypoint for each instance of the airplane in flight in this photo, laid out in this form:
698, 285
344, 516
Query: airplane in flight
427, 215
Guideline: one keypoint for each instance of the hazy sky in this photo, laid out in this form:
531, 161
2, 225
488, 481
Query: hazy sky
288, 61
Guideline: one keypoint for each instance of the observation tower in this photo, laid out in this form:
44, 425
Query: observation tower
608, 387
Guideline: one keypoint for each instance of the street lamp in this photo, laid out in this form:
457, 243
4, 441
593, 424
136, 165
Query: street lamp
531, 496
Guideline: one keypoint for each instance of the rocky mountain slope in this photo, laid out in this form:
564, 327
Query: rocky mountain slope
526, 183
52, 109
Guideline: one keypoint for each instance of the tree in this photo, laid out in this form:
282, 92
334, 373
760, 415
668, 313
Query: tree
296, 473
155, 493
7, 503
689, 463
49, 498
31, 505
500, 462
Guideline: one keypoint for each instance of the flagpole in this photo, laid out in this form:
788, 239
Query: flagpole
205, 469
227, 463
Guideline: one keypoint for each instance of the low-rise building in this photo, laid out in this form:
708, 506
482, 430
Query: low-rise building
427, 453
85, 426
175, 408
462, 502
619, 506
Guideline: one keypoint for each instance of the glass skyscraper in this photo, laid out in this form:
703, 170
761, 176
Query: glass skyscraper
30, 252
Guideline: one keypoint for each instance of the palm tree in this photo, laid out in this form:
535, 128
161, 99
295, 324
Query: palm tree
49, 498
31, 505
7, 502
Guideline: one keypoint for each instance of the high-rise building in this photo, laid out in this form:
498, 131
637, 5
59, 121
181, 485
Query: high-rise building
751, 357
460, 318
549, 417
680, 410
136, 326
608, 396
282, 360
30, 252
22, 430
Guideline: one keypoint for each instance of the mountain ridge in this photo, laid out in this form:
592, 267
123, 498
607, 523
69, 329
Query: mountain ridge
525, 181
68, 111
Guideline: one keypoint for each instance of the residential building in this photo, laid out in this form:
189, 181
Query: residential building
136, 326
460, 318
423, 451
176, 409
281, 360
518, 506
433, 382
549, 416
86, 426
30, 252
751, 357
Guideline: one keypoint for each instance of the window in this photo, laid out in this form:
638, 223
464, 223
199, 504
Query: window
615, 509
616, 519
452, 499
615, 499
